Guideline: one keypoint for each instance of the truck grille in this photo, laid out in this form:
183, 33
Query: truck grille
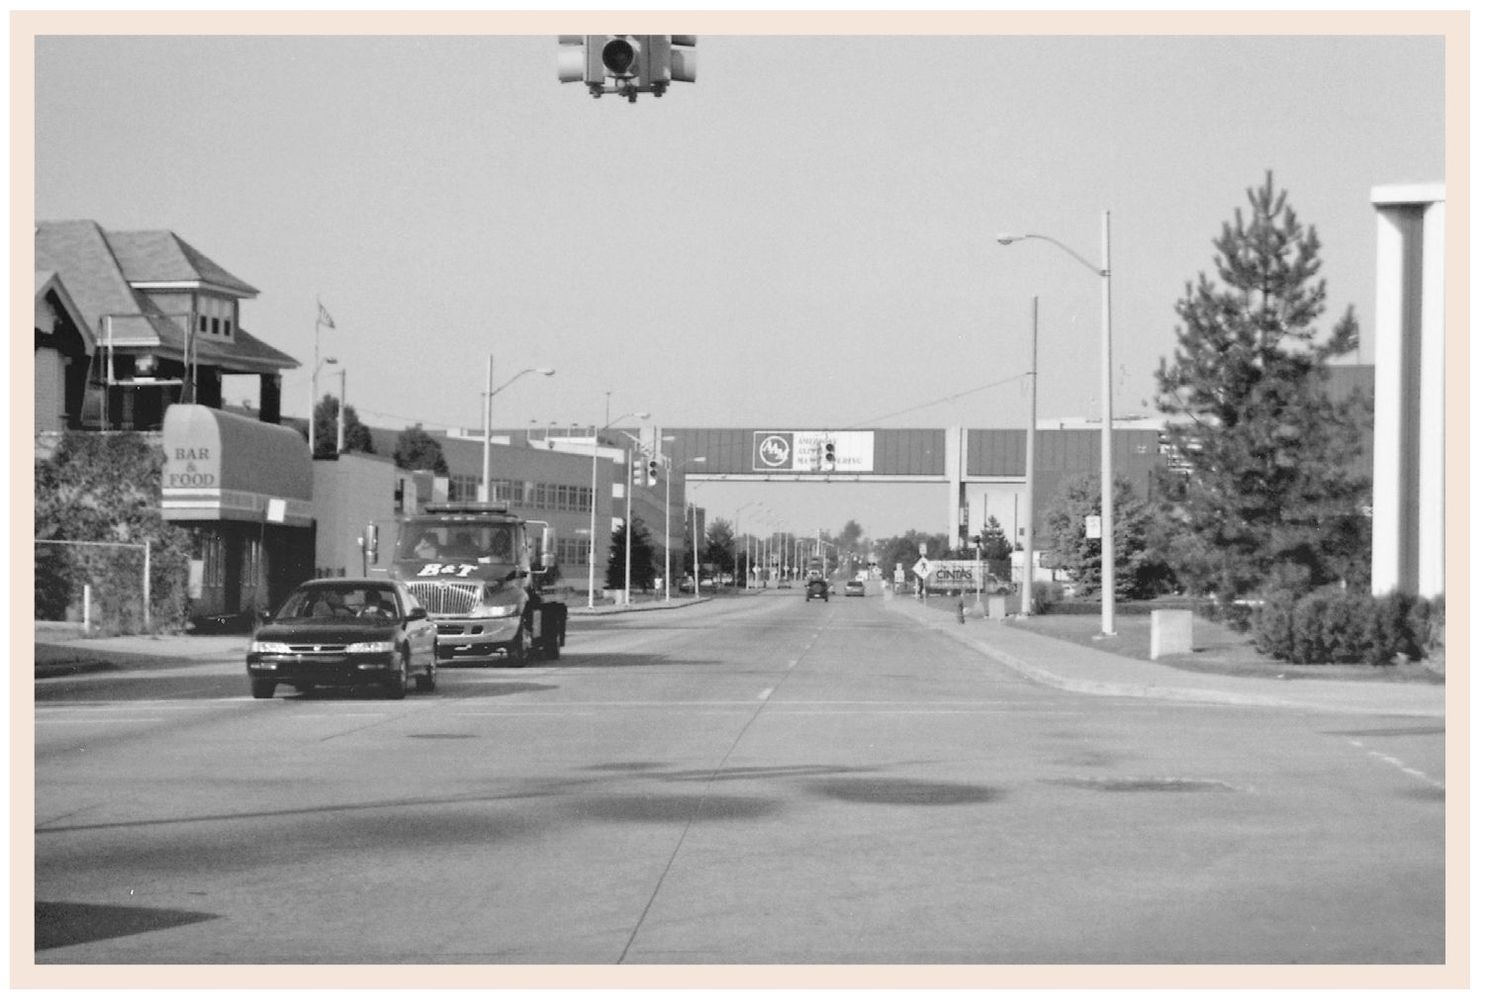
446, 598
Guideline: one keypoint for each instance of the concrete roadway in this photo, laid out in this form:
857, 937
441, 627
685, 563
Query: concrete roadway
749, 781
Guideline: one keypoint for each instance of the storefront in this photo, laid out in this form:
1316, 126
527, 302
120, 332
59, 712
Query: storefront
242, 489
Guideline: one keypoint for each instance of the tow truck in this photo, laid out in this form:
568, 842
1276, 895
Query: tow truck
472, 567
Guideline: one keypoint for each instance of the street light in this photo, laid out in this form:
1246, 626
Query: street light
1105, 272
342, 413
484, 494
594, 456
668, 526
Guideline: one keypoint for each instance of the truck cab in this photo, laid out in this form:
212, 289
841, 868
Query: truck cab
478, 571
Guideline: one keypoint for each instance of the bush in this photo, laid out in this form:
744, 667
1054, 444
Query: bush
1334, 626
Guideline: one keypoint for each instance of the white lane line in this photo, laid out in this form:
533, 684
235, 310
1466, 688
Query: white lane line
1399, 764
765, 694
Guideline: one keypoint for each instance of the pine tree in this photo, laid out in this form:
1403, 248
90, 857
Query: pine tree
1269, 499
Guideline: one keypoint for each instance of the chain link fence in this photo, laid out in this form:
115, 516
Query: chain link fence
111, 588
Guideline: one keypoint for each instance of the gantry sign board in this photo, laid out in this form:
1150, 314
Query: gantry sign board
809, 451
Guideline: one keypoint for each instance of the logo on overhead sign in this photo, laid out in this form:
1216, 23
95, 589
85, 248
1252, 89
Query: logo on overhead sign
773, 452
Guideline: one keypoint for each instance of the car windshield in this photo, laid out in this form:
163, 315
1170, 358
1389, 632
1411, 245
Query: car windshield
337, 602
451, 542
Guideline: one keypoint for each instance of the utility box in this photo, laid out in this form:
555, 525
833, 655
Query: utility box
1171, 632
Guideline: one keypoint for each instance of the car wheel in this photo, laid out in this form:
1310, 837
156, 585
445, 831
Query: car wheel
261, 689
398, 683
517, 650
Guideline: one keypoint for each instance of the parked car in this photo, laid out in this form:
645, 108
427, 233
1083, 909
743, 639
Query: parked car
817, 587
344, 632
686, 585
854, 588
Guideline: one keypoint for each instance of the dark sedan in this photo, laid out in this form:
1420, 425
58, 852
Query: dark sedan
345, 633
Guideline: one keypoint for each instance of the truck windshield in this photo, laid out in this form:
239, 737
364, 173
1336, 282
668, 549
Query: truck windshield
457, 542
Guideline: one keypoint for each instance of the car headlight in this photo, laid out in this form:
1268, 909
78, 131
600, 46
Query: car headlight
261, 646
376, 646
494, 610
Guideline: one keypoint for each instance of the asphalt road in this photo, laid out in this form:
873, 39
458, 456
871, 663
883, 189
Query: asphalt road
749, 781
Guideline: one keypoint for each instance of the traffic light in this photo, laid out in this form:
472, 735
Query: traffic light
829, 458
637, 470
652, 473
630, 63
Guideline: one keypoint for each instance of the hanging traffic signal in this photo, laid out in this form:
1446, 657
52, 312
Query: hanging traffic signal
637, 470
630, 63
652, 473
829, 457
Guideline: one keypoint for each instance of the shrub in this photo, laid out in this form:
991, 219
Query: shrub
1335, 626
1274, 625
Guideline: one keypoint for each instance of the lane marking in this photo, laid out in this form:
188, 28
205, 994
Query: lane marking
1398, 764
765, 694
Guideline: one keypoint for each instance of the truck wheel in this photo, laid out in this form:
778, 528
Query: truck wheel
261, 689
517, 650
426, 682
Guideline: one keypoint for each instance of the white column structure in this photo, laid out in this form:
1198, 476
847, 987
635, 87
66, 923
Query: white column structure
1408, 424
955, 450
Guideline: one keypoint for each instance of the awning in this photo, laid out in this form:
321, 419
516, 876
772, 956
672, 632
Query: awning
224, 467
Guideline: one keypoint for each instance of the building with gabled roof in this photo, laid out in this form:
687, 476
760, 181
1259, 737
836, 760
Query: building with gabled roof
162, 324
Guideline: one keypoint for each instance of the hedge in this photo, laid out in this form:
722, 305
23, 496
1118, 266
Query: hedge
1334, 626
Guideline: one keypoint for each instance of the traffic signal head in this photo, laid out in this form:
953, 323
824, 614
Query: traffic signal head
634, 62
652, 473
682, 64
572, 62
637, 470
829, 456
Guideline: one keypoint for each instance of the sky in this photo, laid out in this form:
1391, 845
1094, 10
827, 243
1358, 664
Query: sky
802, 238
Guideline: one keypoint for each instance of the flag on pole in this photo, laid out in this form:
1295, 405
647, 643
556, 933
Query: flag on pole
322, 317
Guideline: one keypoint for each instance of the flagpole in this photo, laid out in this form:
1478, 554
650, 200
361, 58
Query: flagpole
310, 413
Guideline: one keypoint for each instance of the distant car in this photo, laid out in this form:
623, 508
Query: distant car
817, 587
344, 632
727, 579
706, 582
854, 588
686, 585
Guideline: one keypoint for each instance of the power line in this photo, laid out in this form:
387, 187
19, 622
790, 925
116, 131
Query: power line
942, 401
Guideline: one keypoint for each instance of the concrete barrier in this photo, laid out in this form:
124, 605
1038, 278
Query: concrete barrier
1171, 632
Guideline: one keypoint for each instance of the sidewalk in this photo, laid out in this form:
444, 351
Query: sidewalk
62, 649
1071, 667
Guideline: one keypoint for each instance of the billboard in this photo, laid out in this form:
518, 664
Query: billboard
807, 451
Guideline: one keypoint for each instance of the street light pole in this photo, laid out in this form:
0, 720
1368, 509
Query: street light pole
342, 414
1105, 273
594, 495
1027, 584
484, 493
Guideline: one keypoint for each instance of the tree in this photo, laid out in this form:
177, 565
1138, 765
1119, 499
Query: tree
849, 538
996, 548
107, 489
718, 546
417, 451
1272, 498
644, 569
1138, 571
355, 436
